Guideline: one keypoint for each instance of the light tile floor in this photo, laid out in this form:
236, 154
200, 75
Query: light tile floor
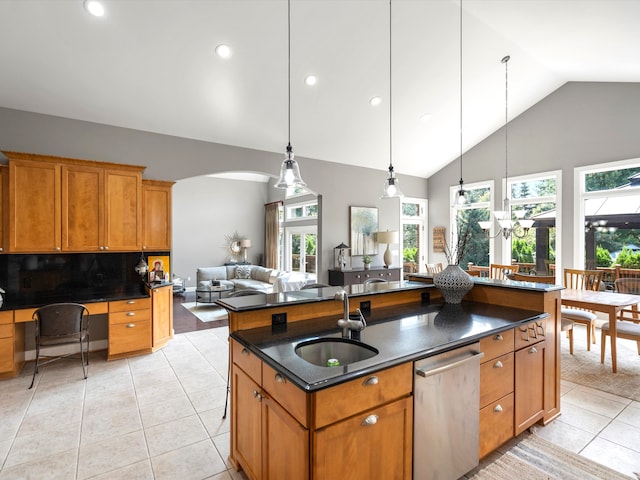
160, 416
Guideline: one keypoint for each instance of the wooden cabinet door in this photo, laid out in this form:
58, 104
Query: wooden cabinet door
34, 207
4, 206
156, 215
123, 210
162, 315
246, 436
82, 208
529, 386
375, 444
285, 444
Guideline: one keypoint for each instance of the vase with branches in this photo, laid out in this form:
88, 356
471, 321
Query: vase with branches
453, 282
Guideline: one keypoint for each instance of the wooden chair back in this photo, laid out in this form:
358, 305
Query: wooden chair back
501, 272
582, 279
434, 267
628, 285
627, 272
533, 278
477, 270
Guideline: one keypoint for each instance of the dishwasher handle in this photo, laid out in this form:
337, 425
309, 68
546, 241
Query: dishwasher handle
428, 372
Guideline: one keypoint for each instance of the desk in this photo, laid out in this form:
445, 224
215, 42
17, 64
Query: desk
606, 302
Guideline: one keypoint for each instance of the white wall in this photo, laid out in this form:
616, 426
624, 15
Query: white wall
206, 210
581, 123
174, 158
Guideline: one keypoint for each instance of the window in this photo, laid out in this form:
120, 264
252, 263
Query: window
477, 208
414, 243
302, 211
301, 249
607, 228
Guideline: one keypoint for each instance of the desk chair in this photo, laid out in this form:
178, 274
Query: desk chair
582, 280
627, 327
501, 272
61, 324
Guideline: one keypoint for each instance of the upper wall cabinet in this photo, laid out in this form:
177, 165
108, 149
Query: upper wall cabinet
156, 215
59, 204
4, 206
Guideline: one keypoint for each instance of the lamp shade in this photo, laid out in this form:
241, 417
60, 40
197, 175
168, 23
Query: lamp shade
388, 237
246, 243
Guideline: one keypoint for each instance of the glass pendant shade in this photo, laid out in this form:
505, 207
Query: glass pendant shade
391, 189
141, 268
290, 172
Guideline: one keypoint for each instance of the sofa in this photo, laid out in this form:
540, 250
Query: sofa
241, 277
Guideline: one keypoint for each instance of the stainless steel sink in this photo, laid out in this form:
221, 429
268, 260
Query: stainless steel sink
334, 352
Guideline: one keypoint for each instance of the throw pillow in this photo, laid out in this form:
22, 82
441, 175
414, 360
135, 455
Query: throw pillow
262, 274
243, 271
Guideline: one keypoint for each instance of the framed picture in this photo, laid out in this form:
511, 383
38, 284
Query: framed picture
159, 269
363, 224
439, 238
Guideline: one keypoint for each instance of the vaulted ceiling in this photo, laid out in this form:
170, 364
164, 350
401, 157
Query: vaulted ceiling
150, 65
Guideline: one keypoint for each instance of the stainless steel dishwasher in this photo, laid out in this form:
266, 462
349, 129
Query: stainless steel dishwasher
446, 414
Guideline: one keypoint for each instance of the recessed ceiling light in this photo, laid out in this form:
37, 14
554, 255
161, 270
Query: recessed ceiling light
311, 80
425, 118
375, 101
94, 7
223, 51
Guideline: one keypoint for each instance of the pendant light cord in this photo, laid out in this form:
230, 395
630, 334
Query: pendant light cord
390, 93
289, 67
461, 181
505, 60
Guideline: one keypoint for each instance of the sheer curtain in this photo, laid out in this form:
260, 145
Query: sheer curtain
272, 234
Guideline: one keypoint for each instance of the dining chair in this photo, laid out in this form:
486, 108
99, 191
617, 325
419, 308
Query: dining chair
501, 271
582, 280
627, 327
59, 324
434, 267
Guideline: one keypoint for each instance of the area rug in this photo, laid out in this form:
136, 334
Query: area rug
206, 312
534, 458
584, 367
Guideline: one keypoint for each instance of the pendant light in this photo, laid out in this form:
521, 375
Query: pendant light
508, 227
289, 170
461, 198
391, 188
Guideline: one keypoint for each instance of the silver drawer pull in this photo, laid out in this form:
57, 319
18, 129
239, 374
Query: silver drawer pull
131, 302
498, 408
498, 364
131, 325
257, 395
498, 337
371, 381
245, 351
370, 420
533, 350
131, 314
279, 378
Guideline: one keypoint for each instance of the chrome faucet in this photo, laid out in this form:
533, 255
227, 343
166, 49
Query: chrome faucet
350, 328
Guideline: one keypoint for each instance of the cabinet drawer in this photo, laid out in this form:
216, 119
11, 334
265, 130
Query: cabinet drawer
529, 334
131, 316
6, 354
6, 331
24, 315
290, 397
496, 424
6, 317
496, 378
129, 337
496, 345
363, 393
131, 304
247, 361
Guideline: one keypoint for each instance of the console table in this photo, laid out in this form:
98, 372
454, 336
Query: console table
359, 275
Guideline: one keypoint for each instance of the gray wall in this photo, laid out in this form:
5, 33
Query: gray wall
580, 124
173, 158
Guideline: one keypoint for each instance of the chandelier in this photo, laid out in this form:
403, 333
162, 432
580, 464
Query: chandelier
520, 227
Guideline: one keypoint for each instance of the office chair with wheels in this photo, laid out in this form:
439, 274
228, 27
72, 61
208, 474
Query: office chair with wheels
61, 324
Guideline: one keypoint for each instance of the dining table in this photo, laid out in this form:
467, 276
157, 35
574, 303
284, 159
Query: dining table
607, 302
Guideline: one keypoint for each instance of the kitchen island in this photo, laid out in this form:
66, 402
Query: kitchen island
331, 418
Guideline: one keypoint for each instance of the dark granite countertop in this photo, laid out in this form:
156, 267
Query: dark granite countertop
400, 334
533, 285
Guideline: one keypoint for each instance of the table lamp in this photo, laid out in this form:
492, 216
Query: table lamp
388, 237
245, 244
